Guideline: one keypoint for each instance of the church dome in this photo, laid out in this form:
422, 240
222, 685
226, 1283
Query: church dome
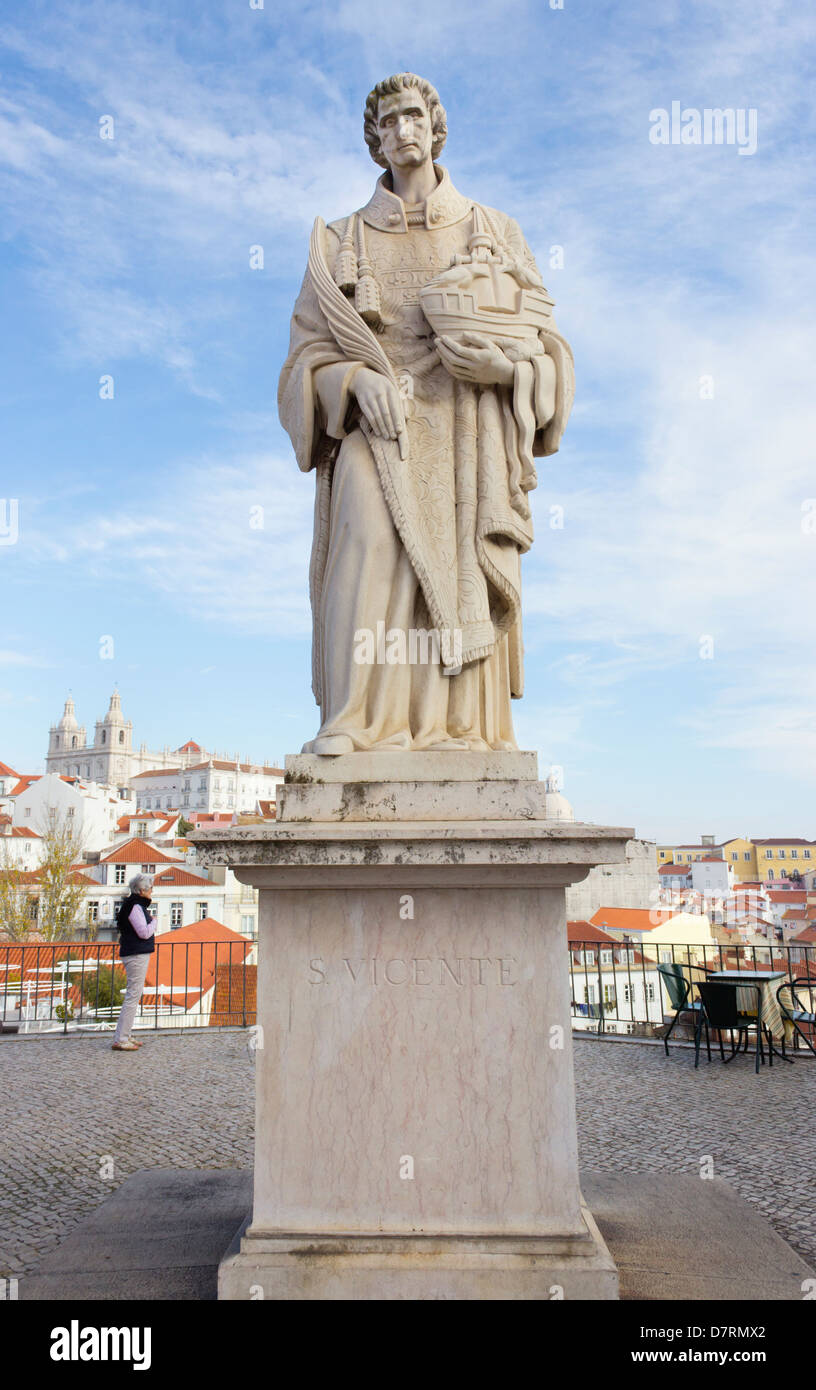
68, 722
114, 714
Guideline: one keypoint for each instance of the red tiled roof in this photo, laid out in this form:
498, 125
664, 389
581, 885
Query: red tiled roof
792, 841
189, 747
25, 832
631, 918
24, 784
156, 772
667, 869
181, 878
790, 895
136, 852
584, 931
189, 955
6, 771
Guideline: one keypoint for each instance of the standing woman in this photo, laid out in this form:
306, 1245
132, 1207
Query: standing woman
136, 946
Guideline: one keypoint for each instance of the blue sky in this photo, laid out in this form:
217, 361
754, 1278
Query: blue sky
683, 516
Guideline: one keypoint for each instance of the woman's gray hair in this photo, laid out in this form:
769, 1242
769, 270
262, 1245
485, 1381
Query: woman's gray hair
140, 882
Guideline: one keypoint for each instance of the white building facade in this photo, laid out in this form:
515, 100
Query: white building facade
216, 785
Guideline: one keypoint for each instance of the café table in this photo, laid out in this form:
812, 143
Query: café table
774, 1023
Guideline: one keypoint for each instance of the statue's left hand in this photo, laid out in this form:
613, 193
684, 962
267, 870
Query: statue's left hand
473, 357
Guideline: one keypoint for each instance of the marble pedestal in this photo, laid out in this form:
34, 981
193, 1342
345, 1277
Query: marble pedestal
415, 1133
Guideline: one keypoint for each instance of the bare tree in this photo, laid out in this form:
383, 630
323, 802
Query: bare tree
17, 903
48, 900
61, 896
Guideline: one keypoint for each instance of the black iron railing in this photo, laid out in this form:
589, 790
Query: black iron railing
77, 985
616, 987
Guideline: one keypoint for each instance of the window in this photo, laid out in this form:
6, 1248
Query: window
248, 925
734, 855
118, 873
662, 854
606, 957
627, 994
176, 914
747, 856
794, 854
93, 912
650, 994
28, 810
806, 853
33, 908
589, 994
769, 854
781, 853
121, 735
148, 868
104, 736
202, 911
588, 957
73, 742
665, 957
202, 785
56, 741
185, 800
230, 800
609, 994
770, 873
187, 785
784, 873
70, 810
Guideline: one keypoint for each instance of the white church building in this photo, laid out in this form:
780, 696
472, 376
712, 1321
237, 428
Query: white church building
111, 760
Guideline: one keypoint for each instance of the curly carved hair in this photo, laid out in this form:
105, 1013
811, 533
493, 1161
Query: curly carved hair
386, 88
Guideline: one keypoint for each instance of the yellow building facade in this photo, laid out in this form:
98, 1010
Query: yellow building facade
751, 860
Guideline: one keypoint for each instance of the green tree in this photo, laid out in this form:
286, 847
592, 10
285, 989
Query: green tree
102, 986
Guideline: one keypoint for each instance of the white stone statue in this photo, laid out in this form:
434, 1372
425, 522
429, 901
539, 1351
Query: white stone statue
424, 375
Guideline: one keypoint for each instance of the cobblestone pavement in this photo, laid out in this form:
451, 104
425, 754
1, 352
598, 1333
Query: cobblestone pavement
78, 1119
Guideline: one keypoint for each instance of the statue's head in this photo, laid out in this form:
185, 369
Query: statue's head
405, 122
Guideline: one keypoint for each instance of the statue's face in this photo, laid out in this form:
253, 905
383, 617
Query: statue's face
404, 128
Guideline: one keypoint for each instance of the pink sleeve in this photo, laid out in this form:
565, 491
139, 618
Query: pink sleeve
139, 922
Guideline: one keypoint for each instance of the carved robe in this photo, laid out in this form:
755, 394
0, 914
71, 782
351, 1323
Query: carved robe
433, 541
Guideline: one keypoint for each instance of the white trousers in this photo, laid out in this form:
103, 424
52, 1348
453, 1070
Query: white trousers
135, 969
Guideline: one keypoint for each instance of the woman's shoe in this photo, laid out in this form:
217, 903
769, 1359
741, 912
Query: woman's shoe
125, 1047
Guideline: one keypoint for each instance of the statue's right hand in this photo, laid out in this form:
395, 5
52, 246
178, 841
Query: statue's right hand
379, 401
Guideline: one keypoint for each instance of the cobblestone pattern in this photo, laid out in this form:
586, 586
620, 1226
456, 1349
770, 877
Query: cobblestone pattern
71, 1107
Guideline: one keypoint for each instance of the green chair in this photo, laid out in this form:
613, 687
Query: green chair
679, 988
793, 1008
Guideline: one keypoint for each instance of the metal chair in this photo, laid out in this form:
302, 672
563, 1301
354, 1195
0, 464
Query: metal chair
679, 989
795, 1011
719, 1009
